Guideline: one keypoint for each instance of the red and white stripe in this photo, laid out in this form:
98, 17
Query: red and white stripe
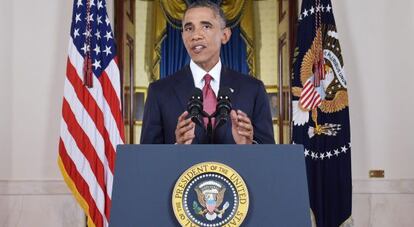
309, 98
91, 128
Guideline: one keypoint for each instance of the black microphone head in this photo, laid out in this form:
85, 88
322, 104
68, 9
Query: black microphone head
223, 107
224, 93
197, 94
223, 100
195, 106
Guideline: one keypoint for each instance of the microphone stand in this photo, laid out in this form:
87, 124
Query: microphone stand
210, 131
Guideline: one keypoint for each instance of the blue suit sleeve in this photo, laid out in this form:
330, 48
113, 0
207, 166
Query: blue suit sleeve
262, 119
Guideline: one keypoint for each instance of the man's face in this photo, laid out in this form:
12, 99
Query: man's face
203, 33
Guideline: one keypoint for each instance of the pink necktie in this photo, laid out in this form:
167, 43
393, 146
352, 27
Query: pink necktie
209, 98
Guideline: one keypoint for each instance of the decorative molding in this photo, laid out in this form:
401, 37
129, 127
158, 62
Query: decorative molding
130, 42
281, 61
32, 187
58, 187
130, 11
282, 12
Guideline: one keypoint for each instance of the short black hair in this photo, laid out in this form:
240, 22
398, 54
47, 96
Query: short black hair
211, 5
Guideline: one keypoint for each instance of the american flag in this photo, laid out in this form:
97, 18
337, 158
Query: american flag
91, 125
309, 98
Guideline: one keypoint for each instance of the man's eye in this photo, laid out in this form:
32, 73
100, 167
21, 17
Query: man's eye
207, 26
188, 29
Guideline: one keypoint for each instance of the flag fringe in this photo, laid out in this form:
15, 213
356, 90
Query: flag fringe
313, 219
75, 192
349, 222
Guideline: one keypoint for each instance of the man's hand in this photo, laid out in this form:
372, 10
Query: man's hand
184, 132
242, 128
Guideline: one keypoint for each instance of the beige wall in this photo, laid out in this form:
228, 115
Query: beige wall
33, 43
376, 38
377, 42
143, 55
143, 30
266, 34
34, 84
33, 66
266, 43
32, 75
5, 88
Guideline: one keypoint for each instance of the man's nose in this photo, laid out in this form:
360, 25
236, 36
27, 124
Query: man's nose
198, 34
196, 37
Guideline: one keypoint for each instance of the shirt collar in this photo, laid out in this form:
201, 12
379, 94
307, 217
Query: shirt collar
199, 73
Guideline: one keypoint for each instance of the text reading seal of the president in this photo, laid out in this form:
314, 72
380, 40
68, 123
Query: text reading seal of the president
210, 194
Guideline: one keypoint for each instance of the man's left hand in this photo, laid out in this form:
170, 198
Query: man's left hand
242, 128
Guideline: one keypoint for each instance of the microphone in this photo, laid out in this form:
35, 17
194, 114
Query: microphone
195, 107
223, 107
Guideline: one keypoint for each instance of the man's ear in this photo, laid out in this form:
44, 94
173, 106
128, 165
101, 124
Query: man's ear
226, 35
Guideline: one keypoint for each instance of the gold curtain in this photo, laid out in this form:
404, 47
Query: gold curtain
172, 11
247, 32
159, 34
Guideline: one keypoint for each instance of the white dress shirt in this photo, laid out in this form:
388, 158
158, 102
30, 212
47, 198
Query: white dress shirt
199, 73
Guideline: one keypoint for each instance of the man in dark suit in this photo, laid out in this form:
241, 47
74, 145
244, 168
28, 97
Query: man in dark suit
165, 119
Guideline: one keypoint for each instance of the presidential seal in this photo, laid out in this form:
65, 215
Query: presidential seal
210, 194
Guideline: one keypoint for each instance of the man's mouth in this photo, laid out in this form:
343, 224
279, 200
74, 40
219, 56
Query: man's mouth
198, 48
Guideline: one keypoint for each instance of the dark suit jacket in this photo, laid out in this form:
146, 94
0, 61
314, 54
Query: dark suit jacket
167, 99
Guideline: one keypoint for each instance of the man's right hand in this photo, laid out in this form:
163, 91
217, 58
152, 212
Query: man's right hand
184, 132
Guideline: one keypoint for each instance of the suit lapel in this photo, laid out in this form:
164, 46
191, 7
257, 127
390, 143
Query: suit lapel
184, 86
229, 80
